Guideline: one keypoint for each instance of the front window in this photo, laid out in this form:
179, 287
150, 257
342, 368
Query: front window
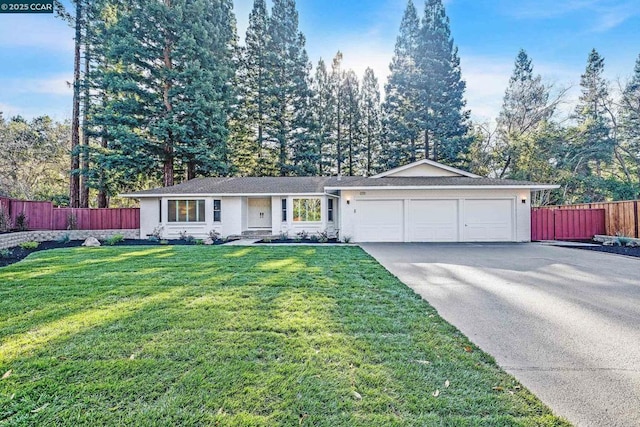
284, 210
217, 210
306, 210
186, 211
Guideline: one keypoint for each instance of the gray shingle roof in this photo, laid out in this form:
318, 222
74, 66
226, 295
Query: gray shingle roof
250, 185
317, 184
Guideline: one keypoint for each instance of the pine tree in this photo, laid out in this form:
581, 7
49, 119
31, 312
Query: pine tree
525, 107
289, 119
352, 118
370, 106
594, 143
629, 119
253, 155
443, 120
323, 107
402, 98
336, 79
166, 92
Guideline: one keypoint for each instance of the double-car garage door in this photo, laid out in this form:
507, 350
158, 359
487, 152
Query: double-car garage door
435, 220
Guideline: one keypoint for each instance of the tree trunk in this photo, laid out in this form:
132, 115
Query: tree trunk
84, 194
412, 150
426, 144
103, 200
191, 170
167, 168
74, 181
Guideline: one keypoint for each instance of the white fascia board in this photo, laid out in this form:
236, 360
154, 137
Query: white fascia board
448, 187
183, 195
426, 162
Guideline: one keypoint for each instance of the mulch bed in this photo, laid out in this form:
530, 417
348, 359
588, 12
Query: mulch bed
17, 253
618, 250
296, 241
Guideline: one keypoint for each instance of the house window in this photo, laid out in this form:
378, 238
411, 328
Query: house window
284, 210
186, 211
160, 210
306, 210
329, 209
217, 210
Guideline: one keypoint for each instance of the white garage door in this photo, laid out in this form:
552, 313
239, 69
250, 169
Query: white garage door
379, 221
488, 220
433, 221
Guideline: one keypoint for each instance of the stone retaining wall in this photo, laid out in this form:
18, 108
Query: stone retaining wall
14, 239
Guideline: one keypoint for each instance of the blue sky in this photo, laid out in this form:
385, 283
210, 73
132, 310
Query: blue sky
36, 51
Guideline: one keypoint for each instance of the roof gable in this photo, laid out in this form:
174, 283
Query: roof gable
425, 168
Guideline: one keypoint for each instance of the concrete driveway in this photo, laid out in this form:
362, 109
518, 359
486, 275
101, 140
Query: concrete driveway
565, 322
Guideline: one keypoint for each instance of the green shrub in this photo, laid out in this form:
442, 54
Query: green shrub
199, 242
64, 239
5, 253
214, 235
116, 238
156, 234
187, 237
164, 242
30, 245
22, 222
346, 239
323, 236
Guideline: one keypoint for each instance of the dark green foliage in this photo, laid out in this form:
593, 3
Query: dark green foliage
629, 122
371, 124
525, 109
594, 144
351, 122
289, 118
424, 114
444, 122
251, 152
401, 119
323, 109
21, 223
165, 93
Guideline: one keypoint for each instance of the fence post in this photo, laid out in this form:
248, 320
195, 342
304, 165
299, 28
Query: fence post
635, 218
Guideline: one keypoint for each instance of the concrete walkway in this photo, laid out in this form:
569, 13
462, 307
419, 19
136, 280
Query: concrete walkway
565, 322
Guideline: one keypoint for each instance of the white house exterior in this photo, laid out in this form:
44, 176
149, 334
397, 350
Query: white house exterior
420, 202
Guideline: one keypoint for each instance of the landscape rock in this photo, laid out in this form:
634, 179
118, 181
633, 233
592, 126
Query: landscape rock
208, 241
91, 242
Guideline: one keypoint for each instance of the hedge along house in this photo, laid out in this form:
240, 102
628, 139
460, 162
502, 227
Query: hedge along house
424, 201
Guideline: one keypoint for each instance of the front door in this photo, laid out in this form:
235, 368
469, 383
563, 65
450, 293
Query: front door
259, 213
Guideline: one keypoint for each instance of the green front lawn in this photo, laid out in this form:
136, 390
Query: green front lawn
237, 336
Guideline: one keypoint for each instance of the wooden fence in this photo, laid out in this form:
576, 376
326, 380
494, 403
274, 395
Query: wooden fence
620, 217
566, 224
44, 216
